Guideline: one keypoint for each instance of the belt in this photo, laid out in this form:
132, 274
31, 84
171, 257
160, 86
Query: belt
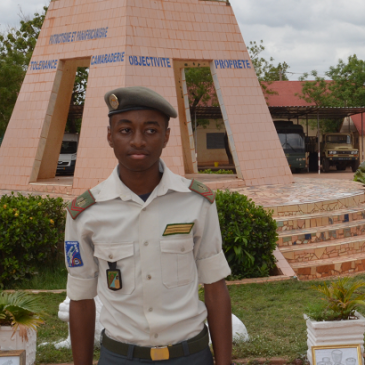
194, 345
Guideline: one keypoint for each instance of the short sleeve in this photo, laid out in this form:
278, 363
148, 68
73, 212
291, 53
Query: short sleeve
210, 259
81, 264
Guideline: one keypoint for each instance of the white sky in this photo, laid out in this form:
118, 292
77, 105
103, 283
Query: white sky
307, 34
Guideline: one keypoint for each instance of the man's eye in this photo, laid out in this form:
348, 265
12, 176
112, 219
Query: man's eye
125, 130
151, 131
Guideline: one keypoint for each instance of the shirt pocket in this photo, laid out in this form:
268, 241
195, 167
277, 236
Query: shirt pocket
177, 262
123, 254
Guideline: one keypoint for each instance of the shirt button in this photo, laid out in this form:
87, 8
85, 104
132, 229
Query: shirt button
149, 277
150, 309
183, 249
146, 243
110, 256
156, 335
144, 209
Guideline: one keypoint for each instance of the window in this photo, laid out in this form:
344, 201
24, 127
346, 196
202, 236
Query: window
215, 141
68, 148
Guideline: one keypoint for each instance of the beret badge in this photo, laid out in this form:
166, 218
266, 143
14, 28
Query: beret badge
114, 102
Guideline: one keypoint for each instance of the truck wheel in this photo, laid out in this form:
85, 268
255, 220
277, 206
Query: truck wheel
325, 165
355, 165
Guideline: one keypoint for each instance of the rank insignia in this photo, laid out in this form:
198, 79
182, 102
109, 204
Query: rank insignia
114, 102
114, 278
178, 228
81, 203
203, 190
73, 254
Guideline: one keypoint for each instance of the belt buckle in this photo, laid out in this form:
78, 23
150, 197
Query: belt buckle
160, 353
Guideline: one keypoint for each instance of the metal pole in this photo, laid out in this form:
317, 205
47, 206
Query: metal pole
196, 139
319, 146
362, 132
307, 124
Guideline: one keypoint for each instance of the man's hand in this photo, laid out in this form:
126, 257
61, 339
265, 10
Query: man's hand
82, 328
218, 304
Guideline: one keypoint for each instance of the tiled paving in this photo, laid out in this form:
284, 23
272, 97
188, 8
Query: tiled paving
321, 234
319, 219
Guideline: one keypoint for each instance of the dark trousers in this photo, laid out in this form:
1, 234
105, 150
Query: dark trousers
200, 358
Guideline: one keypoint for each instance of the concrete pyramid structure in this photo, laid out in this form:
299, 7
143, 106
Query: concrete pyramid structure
129, 43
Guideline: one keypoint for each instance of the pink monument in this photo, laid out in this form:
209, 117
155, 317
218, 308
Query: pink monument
129, 43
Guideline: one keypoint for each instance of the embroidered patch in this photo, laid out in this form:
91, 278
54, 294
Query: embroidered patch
114, 278
73, 254
79, 204
203, 190
178, 228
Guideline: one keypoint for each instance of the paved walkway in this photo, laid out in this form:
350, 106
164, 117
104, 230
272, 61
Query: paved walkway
302, 191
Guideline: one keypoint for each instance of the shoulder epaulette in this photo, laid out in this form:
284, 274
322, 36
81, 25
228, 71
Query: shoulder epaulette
81, 203
203, 190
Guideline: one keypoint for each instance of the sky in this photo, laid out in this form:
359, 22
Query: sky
306, 34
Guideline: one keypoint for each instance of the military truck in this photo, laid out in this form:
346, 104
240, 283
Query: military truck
292, 140
338, 149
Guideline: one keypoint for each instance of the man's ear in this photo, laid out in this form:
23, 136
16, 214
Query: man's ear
167, 137
109, 138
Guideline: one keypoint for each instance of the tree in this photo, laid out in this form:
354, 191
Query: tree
266, 72
264, 69
16, 49
346, 88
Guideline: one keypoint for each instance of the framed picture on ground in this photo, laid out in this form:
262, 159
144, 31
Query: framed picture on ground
337, 355
12, 357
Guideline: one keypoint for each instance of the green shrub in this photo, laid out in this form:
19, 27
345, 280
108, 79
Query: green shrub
249, 235
31, 227
219, 172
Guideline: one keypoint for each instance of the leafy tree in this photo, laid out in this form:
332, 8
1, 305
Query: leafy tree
265, 70
16, 49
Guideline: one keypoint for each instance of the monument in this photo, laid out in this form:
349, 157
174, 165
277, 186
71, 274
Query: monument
129, 43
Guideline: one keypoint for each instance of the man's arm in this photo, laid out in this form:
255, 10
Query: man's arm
218, 303
82, 329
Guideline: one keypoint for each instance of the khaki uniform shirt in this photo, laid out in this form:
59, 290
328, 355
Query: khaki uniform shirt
158, 303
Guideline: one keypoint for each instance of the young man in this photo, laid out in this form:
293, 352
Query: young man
143, 240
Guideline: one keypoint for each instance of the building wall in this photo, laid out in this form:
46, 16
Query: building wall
209, 156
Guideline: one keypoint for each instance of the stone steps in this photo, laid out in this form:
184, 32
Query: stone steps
329, 267
320, 219
321, 234
324, 250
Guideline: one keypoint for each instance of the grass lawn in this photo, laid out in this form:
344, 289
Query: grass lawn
272, 313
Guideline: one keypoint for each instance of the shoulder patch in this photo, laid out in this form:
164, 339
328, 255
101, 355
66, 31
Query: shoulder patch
81, 203
203, 190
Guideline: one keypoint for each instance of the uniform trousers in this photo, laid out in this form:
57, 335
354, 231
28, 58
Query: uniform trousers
203, 357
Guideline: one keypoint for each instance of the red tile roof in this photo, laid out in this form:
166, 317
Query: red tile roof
286, 91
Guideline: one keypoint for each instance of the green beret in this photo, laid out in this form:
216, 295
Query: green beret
137, 98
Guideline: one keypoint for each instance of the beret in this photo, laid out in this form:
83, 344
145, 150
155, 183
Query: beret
137, 98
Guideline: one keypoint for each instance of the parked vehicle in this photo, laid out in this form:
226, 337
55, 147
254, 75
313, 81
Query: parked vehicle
337, 149
68, 154
292, 139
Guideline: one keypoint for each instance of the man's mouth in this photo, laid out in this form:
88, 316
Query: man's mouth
138, 155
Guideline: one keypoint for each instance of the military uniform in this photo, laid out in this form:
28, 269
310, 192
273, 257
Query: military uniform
145, 259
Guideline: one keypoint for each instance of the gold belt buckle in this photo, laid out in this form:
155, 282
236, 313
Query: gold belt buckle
160, 353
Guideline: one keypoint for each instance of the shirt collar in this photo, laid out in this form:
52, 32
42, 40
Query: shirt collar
113, 187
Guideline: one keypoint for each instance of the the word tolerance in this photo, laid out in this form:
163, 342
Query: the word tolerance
43, 65
82, 35
232, 64
149, 61
108, 58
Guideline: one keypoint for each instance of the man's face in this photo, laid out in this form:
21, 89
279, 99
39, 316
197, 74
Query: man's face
138, 137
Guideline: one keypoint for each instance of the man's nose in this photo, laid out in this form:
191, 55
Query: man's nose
138, 140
